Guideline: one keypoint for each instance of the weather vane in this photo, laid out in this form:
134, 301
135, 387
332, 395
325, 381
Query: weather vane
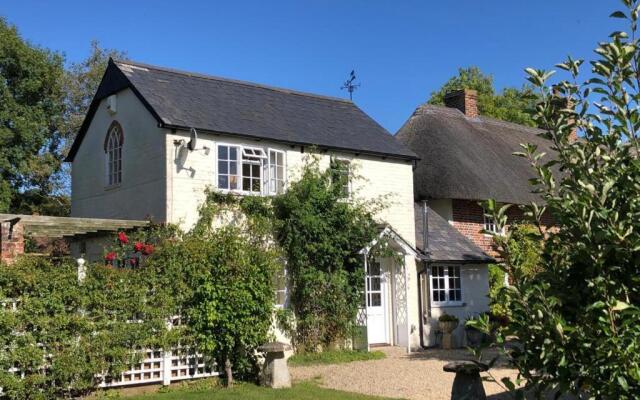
350, 85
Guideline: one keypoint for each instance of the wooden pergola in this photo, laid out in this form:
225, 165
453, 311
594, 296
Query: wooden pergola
58, 227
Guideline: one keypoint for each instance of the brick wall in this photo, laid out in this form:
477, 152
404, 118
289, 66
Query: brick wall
11, 241
468, 219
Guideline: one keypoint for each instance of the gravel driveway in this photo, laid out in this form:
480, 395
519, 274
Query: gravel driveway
410, 376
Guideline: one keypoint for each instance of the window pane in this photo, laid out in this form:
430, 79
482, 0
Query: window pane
223, 152
246, 184
223, 167
233, 182
233, 153
233, 167
376, 299
375, 283
223, 182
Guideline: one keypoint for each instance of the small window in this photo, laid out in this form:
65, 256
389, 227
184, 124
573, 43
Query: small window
341, 176
276, 172
489, 224
228, 167
446, 286
281, 287
113, 155
374, 284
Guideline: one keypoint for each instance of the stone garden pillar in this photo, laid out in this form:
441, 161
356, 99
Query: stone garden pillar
275, 372
467, 383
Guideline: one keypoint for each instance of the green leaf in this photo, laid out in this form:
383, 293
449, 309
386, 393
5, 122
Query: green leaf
618, 14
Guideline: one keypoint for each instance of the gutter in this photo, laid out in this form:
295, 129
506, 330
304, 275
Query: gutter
294, 143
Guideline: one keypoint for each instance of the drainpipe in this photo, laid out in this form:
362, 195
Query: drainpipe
425, 246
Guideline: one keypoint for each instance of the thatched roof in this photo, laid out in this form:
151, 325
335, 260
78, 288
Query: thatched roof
469, 158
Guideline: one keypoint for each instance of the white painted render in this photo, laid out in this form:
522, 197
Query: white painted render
475, 300
141, 194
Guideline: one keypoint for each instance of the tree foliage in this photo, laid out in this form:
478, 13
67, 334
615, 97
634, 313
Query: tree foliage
42, 106
513, 104
320, 234
30, 116
576, 321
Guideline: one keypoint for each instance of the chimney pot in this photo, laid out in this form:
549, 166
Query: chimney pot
465, 100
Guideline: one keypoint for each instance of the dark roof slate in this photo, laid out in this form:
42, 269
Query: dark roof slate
470, 158
446, 243
183, 100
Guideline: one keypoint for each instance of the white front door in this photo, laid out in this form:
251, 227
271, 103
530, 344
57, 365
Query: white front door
376, 304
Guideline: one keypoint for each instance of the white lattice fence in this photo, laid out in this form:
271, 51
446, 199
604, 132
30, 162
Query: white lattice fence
164, 367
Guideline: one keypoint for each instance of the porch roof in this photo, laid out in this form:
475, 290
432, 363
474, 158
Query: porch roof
445, 243
387, 230
57, 227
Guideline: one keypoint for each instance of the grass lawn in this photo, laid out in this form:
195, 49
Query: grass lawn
300, 391
334, 357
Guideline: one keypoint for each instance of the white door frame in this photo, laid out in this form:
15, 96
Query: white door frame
374, 311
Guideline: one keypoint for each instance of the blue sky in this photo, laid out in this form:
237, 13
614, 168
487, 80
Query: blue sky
401, 50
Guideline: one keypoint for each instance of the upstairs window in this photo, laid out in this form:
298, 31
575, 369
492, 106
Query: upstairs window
489, 224
228, 167
252, 165
251, 170
446, 289
113, 154
341, 176
276, 172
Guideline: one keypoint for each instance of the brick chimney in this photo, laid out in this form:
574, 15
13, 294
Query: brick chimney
465, 100
11, 241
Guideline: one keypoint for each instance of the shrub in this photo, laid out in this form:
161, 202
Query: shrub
320, 234
576, 320
448, 318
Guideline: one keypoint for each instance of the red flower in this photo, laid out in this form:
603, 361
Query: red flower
138, 246
133, 261
122, 237
147, 249
110, 257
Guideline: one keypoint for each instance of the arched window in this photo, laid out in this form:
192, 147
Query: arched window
113, 154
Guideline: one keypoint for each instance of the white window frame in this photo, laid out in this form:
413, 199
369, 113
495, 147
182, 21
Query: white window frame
284, 291
447, 302
113, 157
272, 172
250, 155
238, 161
489, 225
347, 162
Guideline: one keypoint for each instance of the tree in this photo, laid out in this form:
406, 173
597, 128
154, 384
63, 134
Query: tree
513, 105
81, 82
576, 321
31, 108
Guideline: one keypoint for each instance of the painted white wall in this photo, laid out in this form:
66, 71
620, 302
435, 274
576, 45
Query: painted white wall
142, 191
475, 298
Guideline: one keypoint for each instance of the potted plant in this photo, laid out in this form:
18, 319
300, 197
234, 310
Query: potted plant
447, 323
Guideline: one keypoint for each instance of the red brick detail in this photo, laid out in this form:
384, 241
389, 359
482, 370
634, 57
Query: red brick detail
468, 219
465, 100
11, 242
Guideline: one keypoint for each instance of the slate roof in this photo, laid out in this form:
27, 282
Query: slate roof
446, 243
183, 100
469, 158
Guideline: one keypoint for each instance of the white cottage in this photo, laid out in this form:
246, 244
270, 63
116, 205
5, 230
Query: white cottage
135, 157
